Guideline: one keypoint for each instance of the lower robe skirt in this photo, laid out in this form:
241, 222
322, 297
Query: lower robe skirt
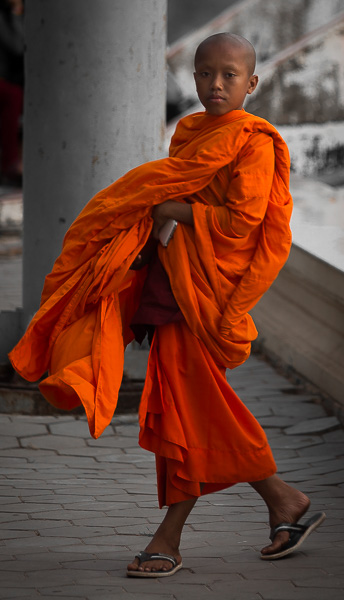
198, 428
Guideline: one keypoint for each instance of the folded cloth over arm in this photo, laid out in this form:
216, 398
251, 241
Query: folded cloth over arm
82, 326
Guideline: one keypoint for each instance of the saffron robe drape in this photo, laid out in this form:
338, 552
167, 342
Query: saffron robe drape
224, 265
198, 428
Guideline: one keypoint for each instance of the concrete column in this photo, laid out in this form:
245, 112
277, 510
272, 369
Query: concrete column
94, 108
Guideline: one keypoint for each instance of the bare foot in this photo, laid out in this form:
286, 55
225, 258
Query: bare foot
158, 544
167, 538
293, 505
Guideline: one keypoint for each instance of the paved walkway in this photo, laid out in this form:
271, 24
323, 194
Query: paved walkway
75, 510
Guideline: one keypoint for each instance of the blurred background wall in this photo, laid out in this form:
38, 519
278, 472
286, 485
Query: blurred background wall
299, 46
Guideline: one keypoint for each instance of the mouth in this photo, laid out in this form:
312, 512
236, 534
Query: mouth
215, 98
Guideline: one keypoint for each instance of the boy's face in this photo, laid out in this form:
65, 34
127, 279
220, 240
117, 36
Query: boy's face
222, 77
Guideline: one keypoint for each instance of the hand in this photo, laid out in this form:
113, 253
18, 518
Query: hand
160, 215
145, 255
137, 264
171, 209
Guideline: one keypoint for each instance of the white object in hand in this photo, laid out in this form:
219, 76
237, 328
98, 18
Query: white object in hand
166, 231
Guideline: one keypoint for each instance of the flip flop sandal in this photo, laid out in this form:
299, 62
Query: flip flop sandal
297, 535
144, 556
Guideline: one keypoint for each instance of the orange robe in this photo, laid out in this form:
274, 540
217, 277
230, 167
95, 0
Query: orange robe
234, 170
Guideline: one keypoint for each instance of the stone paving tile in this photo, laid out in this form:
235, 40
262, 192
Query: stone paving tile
29, 453
276, 421
19, 429
118, 545
83, 492
331, 478
78, 427
54, 461
7, 441
313, 426
334, 436
26, 508
74, 531
238, 587
61, 418
13, 579
38, 542
325, 581
282, 453
31, 524
12, 517
130, 510
296, 443
304, 411
301, 594
8, 534
327, 492
105, 564
91, 592
62, 515
58, 576
324, 452
52, 442
126, 458
50, 560
126, 425
114, 522
108, 593
291, 401
56, 498
26, 565
179, 590
5, 418
113, 442
320, 469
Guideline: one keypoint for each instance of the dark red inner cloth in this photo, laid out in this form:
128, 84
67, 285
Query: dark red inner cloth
157, 304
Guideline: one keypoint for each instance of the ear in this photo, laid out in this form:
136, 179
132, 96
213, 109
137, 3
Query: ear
252, 84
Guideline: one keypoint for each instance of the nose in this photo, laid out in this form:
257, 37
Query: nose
216, 83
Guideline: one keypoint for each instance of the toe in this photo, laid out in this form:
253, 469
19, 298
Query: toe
157, 565
149, 566
134, 566
279, 541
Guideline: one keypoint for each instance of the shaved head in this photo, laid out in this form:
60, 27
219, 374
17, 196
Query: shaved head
236, 42
224, 72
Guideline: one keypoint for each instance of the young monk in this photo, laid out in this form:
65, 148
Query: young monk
226, 184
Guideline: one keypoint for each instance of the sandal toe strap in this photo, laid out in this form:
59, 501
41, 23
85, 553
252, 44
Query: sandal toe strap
145, 556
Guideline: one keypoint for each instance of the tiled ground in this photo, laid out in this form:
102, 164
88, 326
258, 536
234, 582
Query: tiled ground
75, 510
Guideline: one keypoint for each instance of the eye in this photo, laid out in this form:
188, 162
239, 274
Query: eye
204, 74
229, 75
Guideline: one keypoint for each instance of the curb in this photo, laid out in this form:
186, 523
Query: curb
28, 400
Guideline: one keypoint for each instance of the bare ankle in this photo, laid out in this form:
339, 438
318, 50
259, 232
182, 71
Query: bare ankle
284, 502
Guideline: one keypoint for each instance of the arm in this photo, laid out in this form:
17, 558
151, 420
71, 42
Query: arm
161, 213
247, 194
171, 210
